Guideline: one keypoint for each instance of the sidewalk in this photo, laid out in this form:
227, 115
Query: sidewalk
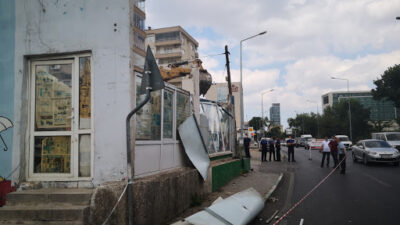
264, 182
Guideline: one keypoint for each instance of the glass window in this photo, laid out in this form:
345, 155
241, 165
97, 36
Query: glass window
168, 114
53, 97
222, 95
148, 118
182, 108
84, 93
52, 154
84, 155
170, 36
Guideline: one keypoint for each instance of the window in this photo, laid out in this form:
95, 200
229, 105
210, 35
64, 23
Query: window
168, 114
221, 95
148, 118
138, 41
139, 21
182, 108
325, 100
170, 36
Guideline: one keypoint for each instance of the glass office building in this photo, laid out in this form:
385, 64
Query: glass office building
381, 110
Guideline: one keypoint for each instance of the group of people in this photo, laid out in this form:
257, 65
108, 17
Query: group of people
337, 150
272, 146
333, 147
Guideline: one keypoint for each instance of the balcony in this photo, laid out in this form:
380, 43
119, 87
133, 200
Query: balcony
168, 55
168, 42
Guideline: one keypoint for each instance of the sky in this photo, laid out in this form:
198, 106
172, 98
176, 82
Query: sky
307, 42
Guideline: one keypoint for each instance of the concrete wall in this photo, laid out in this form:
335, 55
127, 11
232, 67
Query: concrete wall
7, 43
102, 27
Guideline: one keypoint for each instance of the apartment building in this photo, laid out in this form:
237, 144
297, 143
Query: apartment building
171, 45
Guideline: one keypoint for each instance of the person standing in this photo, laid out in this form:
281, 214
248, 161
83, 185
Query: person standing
263, 146
290, 145
342, 156
333, 145
272, 149
326, 151
246, 143
278, 149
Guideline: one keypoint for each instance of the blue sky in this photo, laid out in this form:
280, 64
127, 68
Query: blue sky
307, 42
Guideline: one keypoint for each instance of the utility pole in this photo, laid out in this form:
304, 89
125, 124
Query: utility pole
231, 107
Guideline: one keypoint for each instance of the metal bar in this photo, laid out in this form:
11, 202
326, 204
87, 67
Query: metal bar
272, 217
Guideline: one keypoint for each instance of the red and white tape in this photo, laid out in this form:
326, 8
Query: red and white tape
309, 193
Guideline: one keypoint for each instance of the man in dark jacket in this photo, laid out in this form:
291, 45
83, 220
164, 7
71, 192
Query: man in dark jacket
246, 143
272, 149
333, 145
263, 146
278, 149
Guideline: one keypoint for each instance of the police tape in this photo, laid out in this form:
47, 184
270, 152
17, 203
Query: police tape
312, 190
117, 203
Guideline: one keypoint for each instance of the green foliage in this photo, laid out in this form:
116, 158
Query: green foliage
388, 86
256, 122
335, 120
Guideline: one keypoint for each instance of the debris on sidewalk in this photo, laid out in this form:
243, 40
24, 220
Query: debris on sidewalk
240, 209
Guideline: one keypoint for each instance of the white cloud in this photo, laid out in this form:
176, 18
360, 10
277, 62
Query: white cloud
307, 42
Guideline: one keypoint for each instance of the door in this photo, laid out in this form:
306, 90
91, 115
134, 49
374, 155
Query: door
60, 119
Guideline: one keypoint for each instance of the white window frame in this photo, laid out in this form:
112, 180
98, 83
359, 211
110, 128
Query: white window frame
75, 131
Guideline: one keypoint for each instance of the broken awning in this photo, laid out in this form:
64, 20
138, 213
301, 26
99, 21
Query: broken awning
194, 146
238, 209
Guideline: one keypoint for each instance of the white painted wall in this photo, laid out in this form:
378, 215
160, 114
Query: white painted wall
52, 26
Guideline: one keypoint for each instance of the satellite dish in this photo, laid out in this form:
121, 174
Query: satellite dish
151, 76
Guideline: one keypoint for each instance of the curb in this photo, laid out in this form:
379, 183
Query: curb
266, 197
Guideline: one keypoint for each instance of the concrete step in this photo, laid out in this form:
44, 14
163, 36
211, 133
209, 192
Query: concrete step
16, 222
44, 213
49, 196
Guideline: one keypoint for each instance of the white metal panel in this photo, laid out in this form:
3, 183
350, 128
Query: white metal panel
147, 159
167, 156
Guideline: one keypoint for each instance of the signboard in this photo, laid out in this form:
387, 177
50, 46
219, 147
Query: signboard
251, 129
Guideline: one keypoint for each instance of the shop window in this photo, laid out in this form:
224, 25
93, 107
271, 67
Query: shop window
148, 118
168, 108
52, 154
182, 108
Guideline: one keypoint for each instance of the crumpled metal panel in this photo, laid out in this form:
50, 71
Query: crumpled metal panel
194, 146
238, 209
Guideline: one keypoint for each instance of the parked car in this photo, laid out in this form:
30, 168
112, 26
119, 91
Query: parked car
393, 138
345, 140
373, 150
315, 144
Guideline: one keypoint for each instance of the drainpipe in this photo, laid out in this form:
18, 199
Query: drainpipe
129, 156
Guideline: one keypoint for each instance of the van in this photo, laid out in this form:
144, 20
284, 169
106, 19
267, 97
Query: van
345, 140
393, 138
304, 138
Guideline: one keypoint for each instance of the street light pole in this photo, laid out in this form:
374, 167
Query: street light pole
317, 116
262, 107
241, 84
348, 92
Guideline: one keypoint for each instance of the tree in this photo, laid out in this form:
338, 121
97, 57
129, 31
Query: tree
388, 86
335, 120
255, 122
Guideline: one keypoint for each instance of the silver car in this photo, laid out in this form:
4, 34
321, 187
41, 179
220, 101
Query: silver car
373, 150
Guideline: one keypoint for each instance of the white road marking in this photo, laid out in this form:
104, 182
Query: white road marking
377, 180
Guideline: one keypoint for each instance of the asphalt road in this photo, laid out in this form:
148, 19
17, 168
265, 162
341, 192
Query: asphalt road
364, 195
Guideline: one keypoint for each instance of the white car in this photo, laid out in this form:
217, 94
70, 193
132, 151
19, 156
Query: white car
345, 140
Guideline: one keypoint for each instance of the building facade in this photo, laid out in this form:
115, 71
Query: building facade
171, 45
275, 114
381, 110
219, 92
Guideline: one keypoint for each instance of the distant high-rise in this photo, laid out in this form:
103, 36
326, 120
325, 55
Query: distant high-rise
275, 114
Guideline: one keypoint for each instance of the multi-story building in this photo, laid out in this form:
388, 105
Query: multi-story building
171, 45
219, 92
275, 114
381, 110
139, 35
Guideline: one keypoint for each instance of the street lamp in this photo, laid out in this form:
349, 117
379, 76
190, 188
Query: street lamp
262, 107
348, 92
241, 83
317, 116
